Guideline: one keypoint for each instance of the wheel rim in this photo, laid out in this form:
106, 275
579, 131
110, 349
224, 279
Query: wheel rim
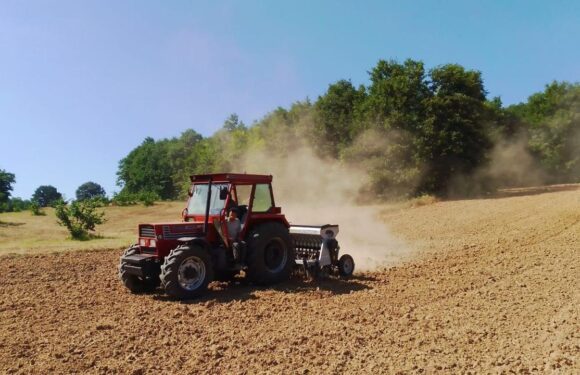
347, 266
191, 273
275, 256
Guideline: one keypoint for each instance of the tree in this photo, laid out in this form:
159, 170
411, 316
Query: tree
452, 140
233, 123
90, 190
46, 195
335, 116
388, 122
184, 159
147, 168
6, 181
396, 95
554, 122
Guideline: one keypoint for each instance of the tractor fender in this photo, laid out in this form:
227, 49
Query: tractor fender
199, 241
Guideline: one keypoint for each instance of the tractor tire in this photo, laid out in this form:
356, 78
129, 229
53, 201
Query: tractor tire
186, 272
345, 266
135, 283
270, 257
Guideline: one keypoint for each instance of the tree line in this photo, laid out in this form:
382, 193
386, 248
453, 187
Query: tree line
44, 195
413, 131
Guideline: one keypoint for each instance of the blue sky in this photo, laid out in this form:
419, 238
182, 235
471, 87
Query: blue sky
84, 82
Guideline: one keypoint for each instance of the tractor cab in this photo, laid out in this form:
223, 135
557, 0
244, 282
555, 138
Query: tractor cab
211, 197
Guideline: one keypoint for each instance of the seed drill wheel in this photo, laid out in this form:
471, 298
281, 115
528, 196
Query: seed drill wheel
135, 283
186, 272
345, 265
270, 254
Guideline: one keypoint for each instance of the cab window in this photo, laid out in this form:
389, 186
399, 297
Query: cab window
243, 193
262, 198
198, 200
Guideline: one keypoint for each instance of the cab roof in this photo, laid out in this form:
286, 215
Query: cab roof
238, 178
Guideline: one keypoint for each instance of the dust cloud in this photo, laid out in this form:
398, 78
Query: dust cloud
315, 191
511, 165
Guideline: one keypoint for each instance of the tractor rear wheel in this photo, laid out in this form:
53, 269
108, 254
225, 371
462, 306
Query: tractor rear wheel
135, 283
270, 254
186, 272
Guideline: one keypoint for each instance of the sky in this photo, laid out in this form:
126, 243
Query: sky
82, 83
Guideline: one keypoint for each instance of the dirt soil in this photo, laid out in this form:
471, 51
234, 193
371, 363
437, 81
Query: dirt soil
496, 288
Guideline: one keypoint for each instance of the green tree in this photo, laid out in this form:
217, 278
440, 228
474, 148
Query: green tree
6, 181
396, 95
182, 159
336, 113
453, 139
147, 168
46, 195
90, 190
233, 123
18, 204
388, 122
553, 117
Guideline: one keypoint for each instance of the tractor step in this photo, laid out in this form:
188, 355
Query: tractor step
138, 258
143, 265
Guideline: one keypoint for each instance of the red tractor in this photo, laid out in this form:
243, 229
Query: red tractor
185, 257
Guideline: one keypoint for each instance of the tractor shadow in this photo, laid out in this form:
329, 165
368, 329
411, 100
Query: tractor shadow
241, 290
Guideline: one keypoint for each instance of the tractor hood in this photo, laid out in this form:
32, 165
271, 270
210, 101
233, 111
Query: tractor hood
170, 231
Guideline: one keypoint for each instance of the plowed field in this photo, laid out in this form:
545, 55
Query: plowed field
494, 286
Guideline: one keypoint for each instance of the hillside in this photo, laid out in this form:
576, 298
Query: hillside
23, 233
488, 285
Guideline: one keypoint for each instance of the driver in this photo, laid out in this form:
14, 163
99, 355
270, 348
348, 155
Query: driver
234, 229
234, 225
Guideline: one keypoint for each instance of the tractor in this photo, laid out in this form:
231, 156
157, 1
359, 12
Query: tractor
184, 257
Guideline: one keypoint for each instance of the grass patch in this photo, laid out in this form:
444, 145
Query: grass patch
23, 233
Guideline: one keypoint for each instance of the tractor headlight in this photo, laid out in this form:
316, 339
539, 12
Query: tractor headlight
152, 243
142, 242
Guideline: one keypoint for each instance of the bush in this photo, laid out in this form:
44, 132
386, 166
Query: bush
100, 201
36, 209
15, 205
124, 199
148, 198
79, 218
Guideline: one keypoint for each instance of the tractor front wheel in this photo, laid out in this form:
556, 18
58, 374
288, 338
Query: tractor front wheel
135, 283
186, 272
